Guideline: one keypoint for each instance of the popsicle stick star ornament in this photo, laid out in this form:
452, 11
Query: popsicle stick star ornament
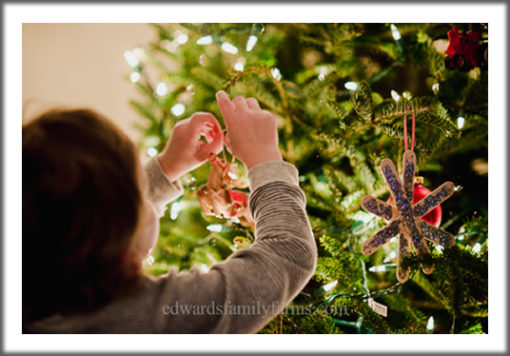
403, 218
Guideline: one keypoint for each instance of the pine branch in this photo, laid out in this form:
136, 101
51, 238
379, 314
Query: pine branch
143, 110
318, 84
433, 123
260, 71
207, 77
362, 101
341, 110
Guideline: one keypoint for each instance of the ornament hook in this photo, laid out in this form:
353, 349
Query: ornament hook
406, 146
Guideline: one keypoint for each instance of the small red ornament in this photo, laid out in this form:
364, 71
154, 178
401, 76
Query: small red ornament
420, 192
465, 50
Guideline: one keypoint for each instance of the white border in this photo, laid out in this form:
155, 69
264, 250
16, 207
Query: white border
15, 15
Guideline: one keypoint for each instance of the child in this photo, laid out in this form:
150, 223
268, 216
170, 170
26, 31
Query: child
90, 217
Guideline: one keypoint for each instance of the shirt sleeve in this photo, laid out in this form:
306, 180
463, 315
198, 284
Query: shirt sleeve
161, 190
244, 292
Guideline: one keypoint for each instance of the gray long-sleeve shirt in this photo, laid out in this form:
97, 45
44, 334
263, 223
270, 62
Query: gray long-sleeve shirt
238, 295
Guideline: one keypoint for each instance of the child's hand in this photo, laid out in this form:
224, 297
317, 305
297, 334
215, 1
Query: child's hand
252, 135
185, 151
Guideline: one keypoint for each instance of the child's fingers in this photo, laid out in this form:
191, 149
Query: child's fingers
208, 130
224, 101
207, 125
205, 149
225, 105
252, 103
227, 143
207, 134
202, 121
212, 129
240, 103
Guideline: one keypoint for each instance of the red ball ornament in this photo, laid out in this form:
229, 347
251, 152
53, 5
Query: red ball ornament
420, 192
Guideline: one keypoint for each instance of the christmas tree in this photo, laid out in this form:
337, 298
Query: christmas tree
340, 93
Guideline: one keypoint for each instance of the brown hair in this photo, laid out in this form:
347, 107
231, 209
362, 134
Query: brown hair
81, 206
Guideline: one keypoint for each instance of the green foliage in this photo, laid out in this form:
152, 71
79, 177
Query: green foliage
336, 135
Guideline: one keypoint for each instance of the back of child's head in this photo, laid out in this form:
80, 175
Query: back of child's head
81, 206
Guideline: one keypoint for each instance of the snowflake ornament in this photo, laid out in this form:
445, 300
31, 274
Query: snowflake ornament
404, 218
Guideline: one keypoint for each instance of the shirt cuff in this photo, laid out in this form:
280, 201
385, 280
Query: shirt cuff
161, 189
272, 171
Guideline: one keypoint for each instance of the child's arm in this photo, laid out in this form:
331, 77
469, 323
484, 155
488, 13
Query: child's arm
183, 153
283, 257
244, 292
161, 190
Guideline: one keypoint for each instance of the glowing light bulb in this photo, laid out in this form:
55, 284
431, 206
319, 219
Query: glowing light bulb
382, 268
151, 151
460, 122
252, 40
430, 324
178, 109
229, 48
363, 217
352, 86
395, 95
175, 209
202, 60
438, 248
275, 72
149, 260
205, 40
182, 38
329, 286
134, 77
214, 227
239, 67
477, 247
391, 256
131, 59
139, 53
169, 46
161, 89
435, 88
395, 33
